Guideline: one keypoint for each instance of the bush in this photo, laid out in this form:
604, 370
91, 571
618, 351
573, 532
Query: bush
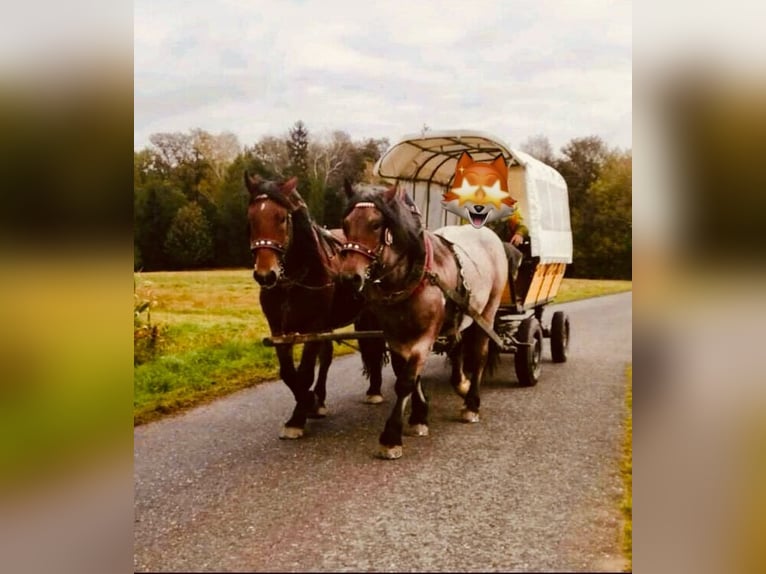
147, 336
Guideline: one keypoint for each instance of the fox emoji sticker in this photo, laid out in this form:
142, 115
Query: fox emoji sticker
479, 191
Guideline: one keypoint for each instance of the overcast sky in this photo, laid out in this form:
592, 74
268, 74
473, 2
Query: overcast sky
384, 69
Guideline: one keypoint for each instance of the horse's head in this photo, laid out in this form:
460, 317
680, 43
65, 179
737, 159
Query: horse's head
269, 214
380, 228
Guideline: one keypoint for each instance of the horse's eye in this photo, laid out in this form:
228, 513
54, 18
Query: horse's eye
282, 220
376, 226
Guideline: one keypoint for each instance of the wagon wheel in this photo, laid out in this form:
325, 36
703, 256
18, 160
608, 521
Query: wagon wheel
559, 337
528, 358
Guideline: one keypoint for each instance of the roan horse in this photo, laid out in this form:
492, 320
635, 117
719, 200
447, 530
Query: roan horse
296, 263
417, 283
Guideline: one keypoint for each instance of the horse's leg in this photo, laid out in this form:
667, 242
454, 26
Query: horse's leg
320, 389
419, 415
300, 385
373, 352
293, 428
458, 379
308, 399
407, 380
479, 349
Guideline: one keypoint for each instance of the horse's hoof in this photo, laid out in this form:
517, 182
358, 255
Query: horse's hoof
468, 416
290, 433
373, 399
390, 452
418, 430
320, 413
463, 386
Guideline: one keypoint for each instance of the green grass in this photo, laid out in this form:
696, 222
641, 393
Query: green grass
211, 332
574, 289
210, 343
626, 469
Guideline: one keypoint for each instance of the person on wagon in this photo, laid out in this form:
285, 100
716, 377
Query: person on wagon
512, 232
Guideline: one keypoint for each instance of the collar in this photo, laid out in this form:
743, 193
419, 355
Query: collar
422, 272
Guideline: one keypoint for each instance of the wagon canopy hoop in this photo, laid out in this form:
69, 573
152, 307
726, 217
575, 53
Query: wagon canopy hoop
426, 165
432, 157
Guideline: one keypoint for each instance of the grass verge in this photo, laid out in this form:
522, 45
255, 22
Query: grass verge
209, 336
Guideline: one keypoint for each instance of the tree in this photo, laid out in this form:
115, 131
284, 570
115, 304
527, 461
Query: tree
218, 151
273, 155
298, 146
155, 202
189, 242
607, 251
539, 147
580, 164
329, 156
232, 247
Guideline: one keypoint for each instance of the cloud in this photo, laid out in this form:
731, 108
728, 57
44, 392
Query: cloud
384, 69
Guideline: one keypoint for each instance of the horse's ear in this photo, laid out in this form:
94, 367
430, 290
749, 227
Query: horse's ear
391, 193
348, 188
252, 182
288, 187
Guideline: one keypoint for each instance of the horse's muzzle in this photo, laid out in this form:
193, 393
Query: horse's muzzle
357, 282
267, 280
352, 279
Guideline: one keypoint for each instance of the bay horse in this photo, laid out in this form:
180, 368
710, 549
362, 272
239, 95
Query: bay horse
419, 285
296, 263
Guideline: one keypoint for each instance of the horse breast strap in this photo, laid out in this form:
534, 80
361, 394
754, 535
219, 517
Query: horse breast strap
421, 273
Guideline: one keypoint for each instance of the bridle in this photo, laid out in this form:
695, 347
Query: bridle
376, 263
374, 255
281, 250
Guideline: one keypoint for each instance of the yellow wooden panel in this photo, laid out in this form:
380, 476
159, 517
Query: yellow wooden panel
550, 270
557, 280
534, 286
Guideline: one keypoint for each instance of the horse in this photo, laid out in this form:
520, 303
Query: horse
422, 285
296, 263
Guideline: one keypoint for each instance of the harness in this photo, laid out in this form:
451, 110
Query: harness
423, 272
419, 270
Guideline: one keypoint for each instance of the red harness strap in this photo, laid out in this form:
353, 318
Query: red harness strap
426, 265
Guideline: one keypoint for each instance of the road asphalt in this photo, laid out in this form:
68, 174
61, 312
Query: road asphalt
533, 486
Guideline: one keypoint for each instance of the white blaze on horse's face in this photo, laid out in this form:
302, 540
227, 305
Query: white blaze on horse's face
363, 228
269, 236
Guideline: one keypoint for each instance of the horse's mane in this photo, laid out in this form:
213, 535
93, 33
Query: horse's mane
403, 223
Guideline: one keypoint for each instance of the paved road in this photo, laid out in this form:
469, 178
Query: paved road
534, 486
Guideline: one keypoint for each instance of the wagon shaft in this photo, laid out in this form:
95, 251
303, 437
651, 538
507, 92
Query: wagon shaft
299, 338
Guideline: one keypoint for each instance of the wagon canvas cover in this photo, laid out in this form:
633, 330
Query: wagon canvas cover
425, 164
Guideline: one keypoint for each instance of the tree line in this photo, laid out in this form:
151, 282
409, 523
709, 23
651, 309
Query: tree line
190, 203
